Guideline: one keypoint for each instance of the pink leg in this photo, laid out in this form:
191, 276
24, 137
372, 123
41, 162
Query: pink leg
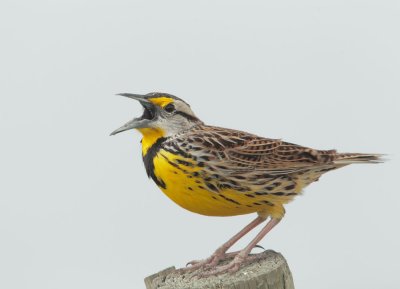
243, 255
219, 254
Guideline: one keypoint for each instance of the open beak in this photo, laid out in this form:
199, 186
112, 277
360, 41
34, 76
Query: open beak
139, 122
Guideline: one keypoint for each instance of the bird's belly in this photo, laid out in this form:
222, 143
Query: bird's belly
190, 192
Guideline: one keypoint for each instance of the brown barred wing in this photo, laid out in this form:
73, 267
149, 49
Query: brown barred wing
240, 152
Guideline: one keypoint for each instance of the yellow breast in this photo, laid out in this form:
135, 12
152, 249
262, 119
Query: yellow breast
191, 193
181, 179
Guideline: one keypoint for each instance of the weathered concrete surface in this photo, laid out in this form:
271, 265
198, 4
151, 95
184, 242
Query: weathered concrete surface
270, 271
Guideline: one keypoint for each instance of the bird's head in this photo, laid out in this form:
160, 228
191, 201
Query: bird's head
164, 115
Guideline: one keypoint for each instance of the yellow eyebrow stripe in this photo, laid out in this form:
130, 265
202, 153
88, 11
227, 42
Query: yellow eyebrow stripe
161, 101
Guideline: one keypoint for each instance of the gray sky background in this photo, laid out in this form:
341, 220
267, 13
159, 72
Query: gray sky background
76, 207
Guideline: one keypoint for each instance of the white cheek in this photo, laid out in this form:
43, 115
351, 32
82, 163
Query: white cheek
174, 126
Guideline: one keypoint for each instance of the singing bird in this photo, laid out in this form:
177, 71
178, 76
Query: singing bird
216, 171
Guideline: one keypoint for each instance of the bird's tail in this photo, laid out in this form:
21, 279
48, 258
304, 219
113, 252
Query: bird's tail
351, 158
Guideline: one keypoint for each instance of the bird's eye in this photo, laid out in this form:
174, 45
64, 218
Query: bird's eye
169, 108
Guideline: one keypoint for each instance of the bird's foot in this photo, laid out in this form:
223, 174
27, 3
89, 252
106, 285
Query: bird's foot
233, 266
210, 262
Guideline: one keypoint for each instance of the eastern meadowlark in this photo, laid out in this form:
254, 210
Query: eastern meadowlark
217, 171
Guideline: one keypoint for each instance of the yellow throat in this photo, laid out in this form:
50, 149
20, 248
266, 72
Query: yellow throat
150, 136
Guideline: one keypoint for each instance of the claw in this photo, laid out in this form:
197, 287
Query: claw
208, 263
259, 246
191, 263
194, 265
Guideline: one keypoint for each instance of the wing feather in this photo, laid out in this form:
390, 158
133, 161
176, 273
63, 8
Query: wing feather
240, 152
